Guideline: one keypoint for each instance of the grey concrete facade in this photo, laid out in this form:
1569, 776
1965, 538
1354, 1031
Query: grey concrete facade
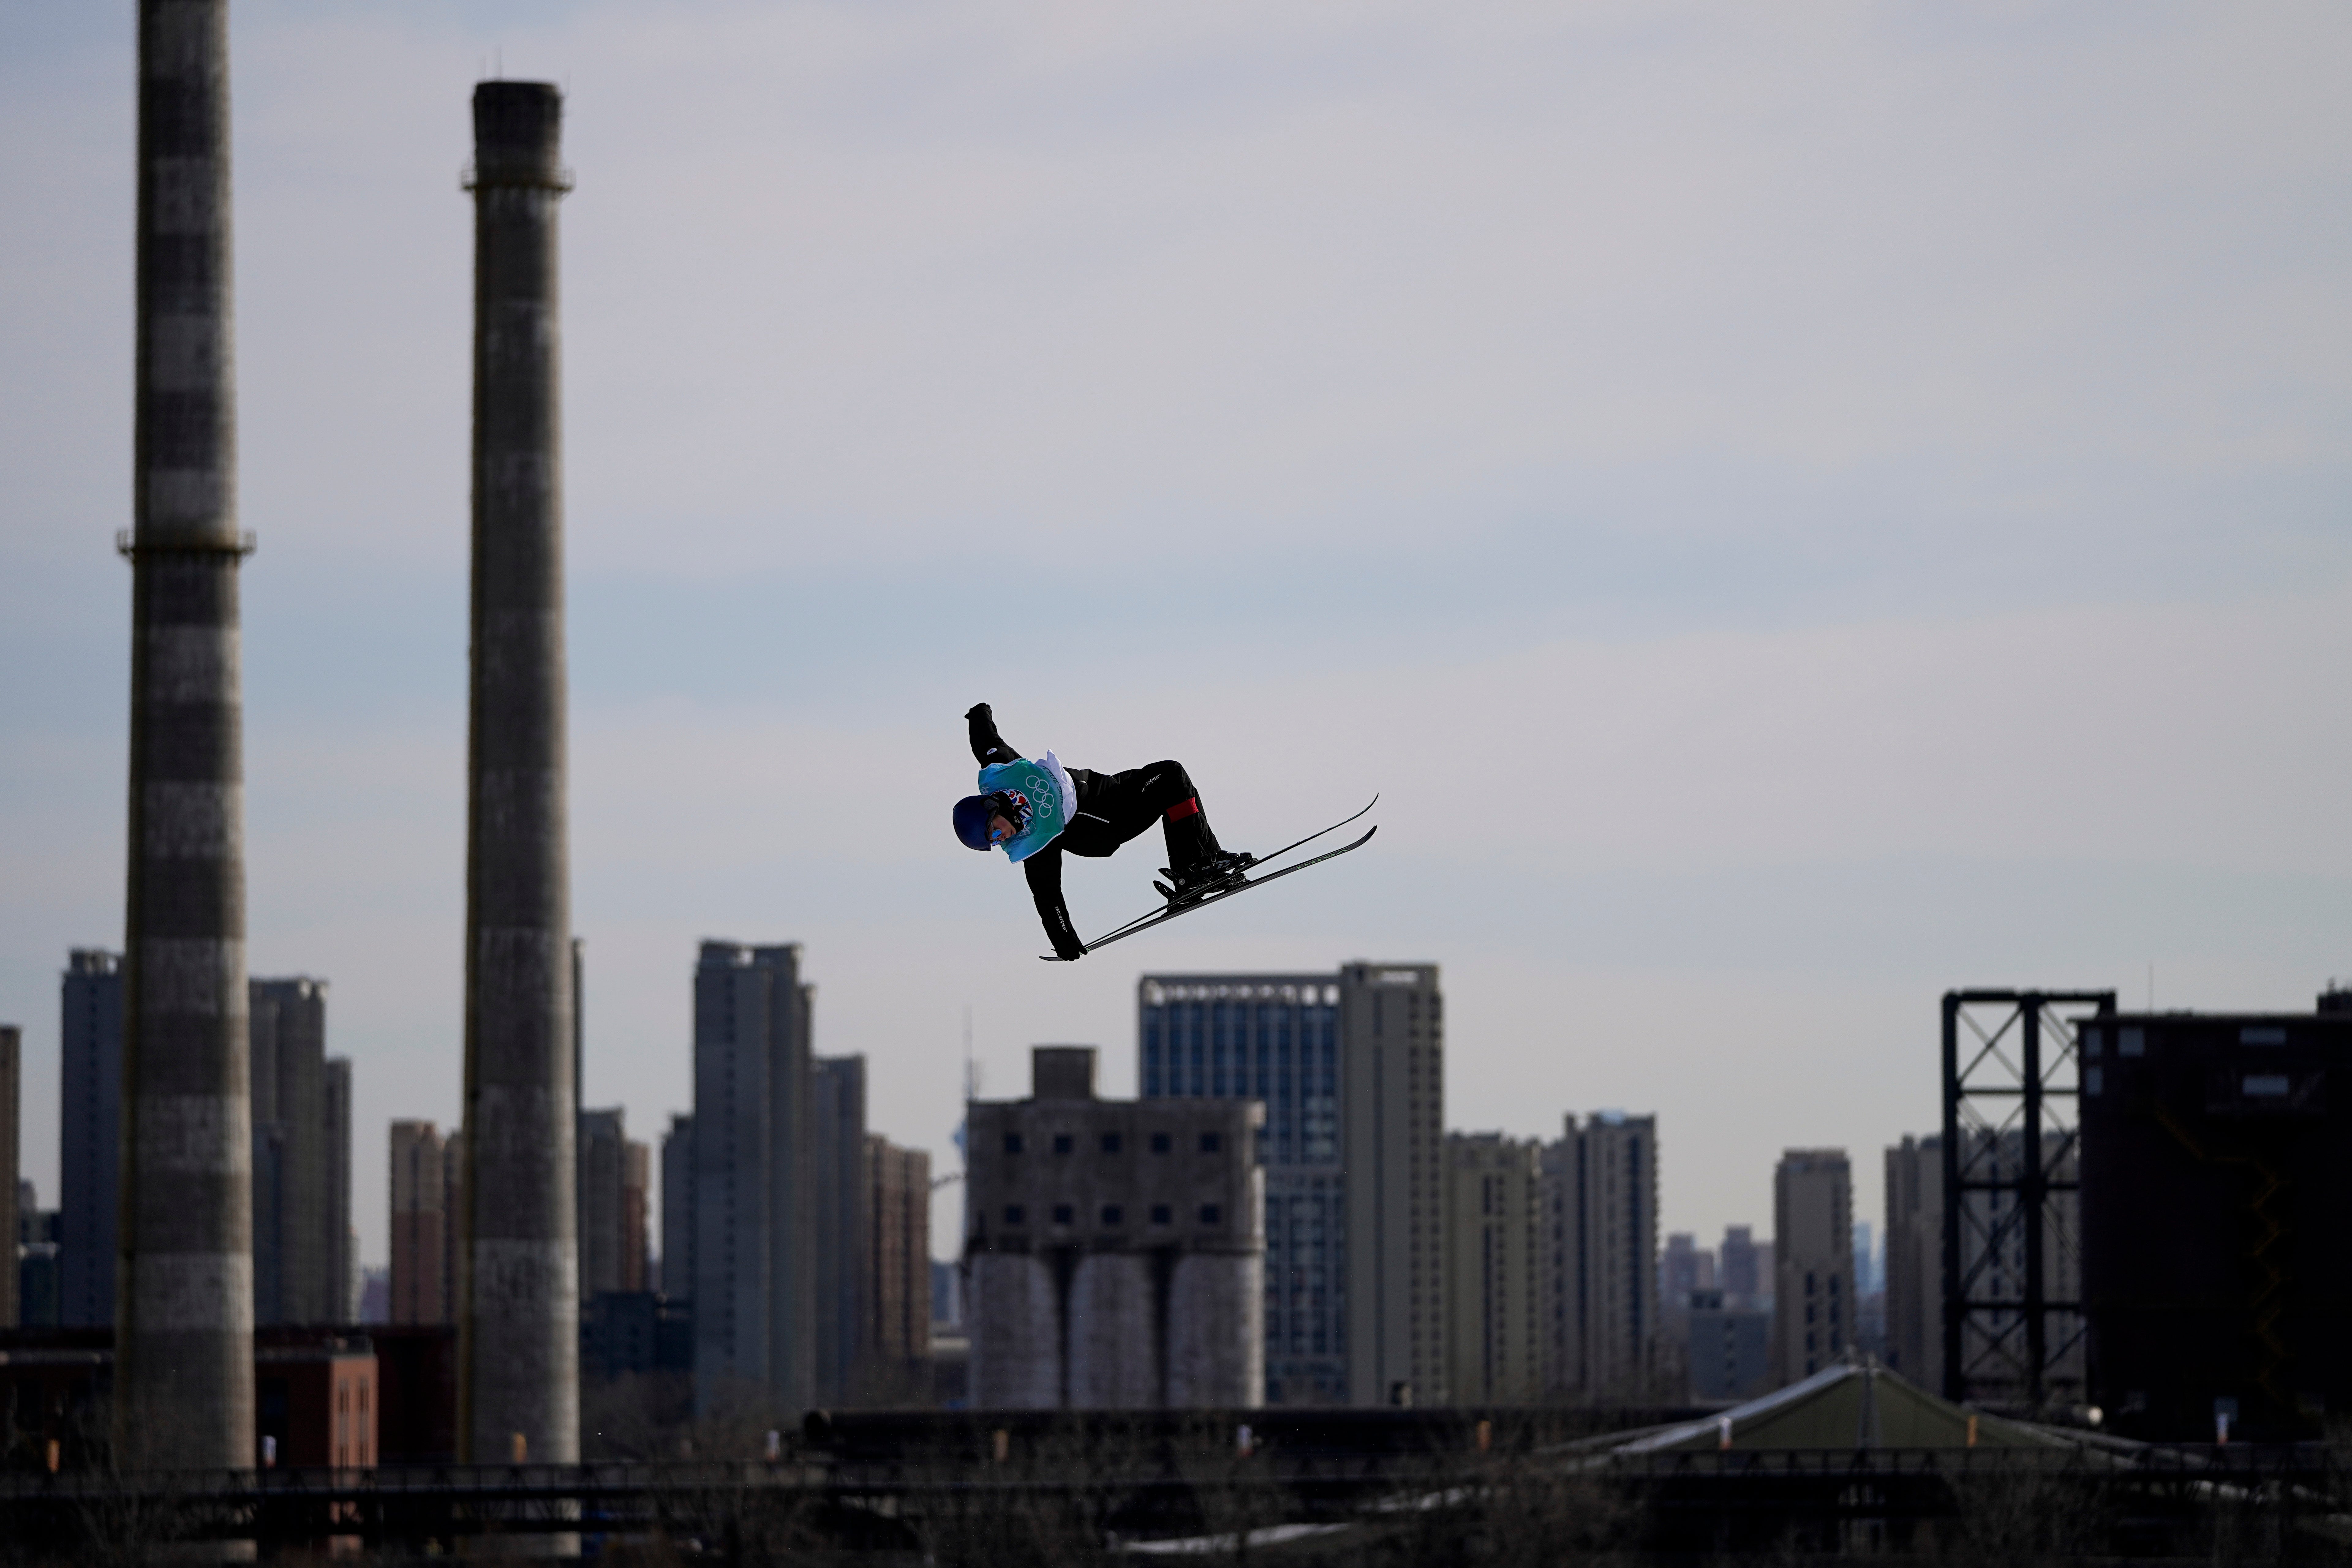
1915, 1259
1494, 1224
1115, 1251
1393, 1131
341, 1241
420, 1281
839, 1203
1812, 1262
1351, 1066
613, 1192
1728, 1350
291, 1263
753, 1290
677, 1209
184, 1268
1600, 1308
89, 1142
1274, 1038
517, 1288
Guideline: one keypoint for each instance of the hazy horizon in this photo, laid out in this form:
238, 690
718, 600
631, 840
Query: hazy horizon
1794, 512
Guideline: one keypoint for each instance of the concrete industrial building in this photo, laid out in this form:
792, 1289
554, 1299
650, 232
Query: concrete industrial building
2217, 1221
1351, 1066
1114, 1249
519, 1293
753, 1289
1915, 1259
183, 1253
1494, 1237
1812, 1291
89, 1137
420, 1237
614, 1173
1599, 1271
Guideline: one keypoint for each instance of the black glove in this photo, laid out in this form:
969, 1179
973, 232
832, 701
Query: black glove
978, 710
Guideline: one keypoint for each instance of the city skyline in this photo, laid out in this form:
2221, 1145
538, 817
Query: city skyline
1744, 517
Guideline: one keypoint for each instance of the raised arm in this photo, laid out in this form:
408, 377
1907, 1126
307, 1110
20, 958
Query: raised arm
1043, 870
987, 745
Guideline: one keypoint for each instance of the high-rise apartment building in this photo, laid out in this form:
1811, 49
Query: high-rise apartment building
753, 1288
838, 1205
304, 1270
677, 1209
1351, 1068
89, 1142
1683, 1268
453, 1214
1599, 1264
1115, 1249
1742, 1271
420, 1214
1812, 1294
12, 1070
896, 1337
1494, 1223
611, 1205
342, 1235
1727, 1349
1915, 1260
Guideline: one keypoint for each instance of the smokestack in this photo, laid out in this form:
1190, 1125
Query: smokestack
518, 1312
184, 1272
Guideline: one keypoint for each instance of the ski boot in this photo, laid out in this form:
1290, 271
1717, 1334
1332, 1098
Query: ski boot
1196, 882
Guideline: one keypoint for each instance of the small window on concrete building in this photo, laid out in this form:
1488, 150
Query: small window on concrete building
1062, 1143
1211, 1142
1160, 1142
1063, 1214
1110, 1143
1013, 1142
1012, 1215
1161, 1216
1211, 1215
1112, 1214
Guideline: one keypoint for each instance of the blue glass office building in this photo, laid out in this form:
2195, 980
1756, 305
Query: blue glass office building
1275, 1038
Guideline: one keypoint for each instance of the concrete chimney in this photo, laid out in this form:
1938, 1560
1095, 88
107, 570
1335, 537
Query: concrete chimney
183, 1263
519, 1304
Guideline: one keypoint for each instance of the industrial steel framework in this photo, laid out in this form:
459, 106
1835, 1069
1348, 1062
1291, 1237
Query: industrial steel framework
2011, 1086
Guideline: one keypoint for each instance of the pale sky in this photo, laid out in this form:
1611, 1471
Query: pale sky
1794, 508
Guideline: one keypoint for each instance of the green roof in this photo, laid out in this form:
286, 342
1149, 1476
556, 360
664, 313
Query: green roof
1855, 1406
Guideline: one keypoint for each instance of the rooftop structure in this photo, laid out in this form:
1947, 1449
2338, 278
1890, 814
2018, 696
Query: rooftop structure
1115, 1250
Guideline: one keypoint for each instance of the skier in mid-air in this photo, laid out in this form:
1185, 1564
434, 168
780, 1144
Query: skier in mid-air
1035, 809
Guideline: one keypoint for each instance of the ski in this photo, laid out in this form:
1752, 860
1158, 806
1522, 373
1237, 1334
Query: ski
1232, 890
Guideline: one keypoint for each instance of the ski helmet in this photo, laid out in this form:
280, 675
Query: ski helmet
971, 822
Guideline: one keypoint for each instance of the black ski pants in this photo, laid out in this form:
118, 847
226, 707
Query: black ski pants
1116, 807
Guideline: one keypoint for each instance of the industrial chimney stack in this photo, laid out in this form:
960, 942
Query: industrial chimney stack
518, 1310
184, 1276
